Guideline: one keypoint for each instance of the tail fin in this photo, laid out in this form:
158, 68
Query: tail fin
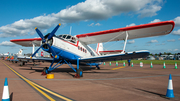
20, 52
99, 48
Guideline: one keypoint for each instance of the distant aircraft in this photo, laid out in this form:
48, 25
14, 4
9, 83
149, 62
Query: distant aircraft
12, 57
67, 49
4, 55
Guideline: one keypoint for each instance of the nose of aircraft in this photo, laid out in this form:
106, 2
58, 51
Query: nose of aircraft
46, 39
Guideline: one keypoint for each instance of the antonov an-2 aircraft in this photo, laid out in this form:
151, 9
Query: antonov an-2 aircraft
67, 49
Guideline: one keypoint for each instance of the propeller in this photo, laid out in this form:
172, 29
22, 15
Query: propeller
46, 39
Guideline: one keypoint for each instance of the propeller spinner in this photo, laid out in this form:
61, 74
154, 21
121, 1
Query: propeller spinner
45, 40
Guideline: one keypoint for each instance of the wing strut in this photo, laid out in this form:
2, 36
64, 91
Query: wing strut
33, 48
125, 41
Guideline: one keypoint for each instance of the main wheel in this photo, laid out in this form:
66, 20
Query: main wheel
22, 63
98, 67
80, 72
45, 71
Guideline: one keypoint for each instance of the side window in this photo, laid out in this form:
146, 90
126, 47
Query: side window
73, 39
78, 48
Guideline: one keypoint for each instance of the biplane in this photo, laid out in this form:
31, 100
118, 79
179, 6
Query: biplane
67, 49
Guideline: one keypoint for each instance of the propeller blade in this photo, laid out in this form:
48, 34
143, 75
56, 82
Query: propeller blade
36, 51
54, 31
40, 34
52, 51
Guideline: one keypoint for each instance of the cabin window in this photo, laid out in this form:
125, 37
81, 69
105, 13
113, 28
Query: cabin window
78, 48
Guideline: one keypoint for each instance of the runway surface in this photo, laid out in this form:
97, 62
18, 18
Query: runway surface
113, 83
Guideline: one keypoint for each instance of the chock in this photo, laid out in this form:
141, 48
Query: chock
50, 76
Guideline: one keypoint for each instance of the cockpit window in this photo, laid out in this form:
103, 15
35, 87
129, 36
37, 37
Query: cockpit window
60, 36
64, 36
68, 37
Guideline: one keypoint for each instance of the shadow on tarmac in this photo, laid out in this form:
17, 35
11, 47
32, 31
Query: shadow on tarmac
68, 70
161, 95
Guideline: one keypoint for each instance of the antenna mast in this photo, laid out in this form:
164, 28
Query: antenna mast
70, 30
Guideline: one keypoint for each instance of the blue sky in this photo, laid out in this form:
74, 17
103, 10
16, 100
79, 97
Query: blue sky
19, 18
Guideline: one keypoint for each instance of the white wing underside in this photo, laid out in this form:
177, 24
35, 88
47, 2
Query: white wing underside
140, 31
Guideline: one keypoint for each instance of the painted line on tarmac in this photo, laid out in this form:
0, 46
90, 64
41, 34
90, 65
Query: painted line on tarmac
96, 79
38, 87
118, 68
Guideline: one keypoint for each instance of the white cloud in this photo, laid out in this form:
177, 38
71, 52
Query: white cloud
93, 24
176, 32
131, 42
97, 24
177, 21
155, 20
133, 24
84, 11
176, 49
149, 11
153, 41
179, 39
171, 40
25, 27
7, 43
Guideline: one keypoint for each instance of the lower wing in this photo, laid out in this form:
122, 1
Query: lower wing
114, 57
34, 59
104, 58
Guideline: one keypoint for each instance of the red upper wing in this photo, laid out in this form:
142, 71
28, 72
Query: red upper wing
27, 42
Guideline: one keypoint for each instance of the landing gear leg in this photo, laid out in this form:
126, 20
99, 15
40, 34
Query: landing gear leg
97, 66
79, 72
45, 71
34, 64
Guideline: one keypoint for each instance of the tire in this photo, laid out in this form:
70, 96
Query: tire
45, 69
80, 72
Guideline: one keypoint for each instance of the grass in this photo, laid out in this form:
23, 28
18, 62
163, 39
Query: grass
158, 62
